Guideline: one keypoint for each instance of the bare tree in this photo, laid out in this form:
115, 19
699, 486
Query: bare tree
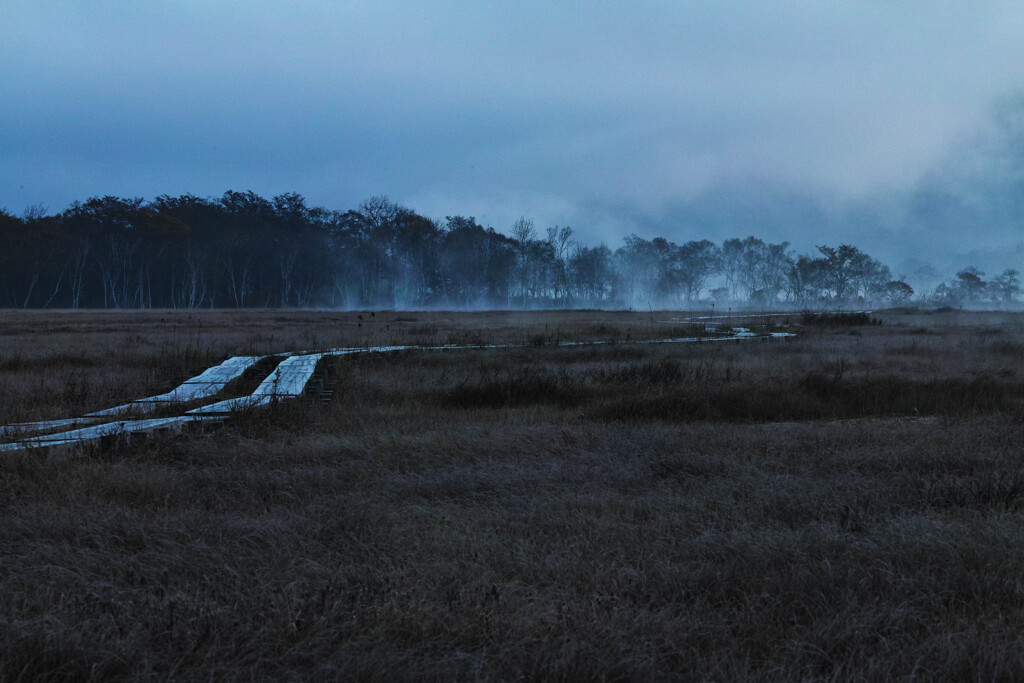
561, 241
523, 234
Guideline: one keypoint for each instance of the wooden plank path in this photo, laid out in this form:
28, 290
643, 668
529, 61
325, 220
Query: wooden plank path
23, 429
287, 381
119, 428
210, 383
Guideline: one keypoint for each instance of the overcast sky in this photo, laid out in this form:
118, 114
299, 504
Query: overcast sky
802, 120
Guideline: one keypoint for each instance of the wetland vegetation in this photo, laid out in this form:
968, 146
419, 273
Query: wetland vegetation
845, 504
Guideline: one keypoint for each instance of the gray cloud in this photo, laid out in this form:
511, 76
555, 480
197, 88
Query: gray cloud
792, 120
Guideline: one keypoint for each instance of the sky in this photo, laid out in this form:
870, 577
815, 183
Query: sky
894, 125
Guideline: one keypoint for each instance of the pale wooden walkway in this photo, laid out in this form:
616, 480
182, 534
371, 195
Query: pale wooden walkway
287, 381
86, 435
210, 383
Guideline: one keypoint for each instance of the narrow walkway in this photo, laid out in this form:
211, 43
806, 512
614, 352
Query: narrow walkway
210, 383
90, 434
287, 381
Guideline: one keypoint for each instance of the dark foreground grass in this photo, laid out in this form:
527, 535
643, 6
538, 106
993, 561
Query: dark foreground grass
495, 515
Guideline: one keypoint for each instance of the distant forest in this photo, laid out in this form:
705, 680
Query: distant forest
243, 250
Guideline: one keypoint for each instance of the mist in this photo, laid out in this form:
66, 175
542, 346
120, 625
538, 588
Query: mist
967, 209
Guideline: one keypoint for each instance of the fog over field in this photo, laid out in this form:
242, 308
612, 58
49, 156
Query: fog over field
898, 127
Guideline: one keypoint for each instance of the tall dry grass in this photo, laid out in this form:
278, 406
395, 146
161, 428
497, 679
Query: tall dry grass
61, 363
501, 514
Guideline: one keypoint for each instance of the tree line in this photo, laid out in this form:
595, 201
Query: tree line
243, 250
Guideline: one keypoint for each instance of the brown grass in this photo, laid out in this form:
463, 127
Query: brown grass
845, 505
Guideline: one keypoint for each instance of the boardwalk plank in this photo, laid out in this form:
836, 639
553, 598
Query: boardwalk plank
86, 435
209, 383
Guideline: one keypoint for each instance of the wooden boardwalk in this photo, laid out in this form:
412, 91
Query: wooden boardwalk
286, 382
210, 383
118, 428
25, 429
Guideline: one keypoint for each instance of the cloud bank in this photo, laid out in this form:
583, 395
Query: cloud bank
892, 125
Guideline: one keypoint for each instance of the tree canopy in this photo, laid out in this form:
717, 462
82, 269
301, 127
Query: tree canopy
243, 250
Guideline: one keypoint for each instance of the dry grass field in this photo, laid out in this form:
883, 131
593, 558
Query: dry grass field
843, 505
